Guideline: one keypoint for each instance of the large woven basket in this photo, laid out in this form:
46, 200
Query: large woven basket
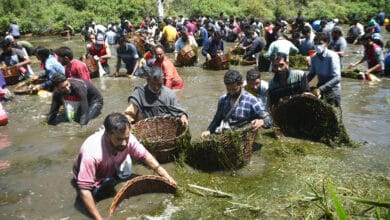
164, 136
218, 63
141, 185
187, 56
307, 117
11, 75
26, 87
227, 151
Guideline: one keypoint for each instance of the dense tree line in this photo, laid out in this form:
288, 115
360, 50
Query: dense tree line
46, 16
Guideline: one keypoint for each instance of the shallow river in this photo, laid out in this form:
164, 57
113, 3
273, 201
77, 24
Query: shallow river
37, 184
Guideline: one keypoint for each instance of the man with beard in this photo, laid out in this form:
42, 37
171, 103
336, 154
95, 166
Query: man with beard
104, 159
171, 78
238, 108
338, 43
326, 65
286, 82
81, 100
154, 99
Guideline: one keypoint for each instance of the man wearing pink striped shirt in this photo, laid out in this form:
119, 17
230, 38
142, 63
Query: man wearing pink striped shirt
105, 155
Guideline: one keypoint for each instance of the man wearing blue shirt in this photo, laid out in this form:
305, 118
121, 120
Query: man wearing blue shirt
127, 53
326, 65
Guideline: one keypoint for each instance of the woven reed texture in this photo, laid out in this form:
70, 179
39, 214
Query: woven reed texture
141, 185
164, 136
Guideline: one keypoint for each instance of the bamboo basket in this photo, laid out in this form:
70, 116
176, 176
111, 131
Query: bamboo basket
26, 88
227, 151
218, 63
164, 136
11, 75
187, 56
141, 185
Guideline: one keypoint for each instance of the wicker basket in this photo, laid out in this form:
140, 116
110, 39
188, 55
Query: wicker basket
218, 63
187, 56
11, 75
26, 88
227, 151
141, 185
164, 136
306, 117
92, 65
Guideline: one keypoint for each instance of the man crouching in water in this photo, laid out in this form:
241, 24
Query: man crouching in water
105, 156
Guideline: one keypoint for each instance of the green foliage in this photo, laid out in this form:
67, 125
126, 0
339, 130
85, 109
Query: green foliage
41, 16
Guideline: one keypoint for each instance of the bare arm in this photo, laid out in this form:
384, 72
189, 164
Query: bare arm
89, 202
155, 165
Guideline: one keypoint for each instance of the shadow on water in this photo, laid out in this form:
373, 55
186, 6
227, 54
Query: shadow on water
37, 185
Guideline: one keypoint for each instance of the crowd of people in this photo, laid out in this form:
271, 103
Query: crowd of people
249, 101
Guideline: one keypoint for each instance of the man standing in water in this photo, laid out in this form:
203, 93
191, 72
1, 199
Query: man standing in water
286, 82
326, 65
154, 99
238, 107
73, 68
172, 78
105, 156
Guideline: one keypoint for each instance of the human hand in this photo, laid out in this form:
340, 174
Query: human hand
257, 123
309, 94
317, 92
184, 120
208, 57
205, 133
96, 57
37, 87
351, 65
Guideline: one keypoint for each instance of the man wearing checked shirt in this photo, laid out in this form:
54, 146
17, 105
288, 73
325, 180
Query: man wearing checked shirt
248, 108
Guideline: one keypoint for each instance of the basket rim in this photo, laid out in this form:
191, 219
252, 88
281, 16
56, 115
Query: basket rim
185, 131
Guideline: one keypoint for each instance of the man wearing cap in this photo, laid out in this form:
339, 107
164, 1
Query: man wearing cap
338, 43
70, 91
373, 54
100, 51
373, 26
154, 99
238, 108
325, 64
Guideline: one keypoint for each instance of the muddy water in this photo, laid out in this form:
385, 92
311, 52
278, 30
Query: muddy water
37, 185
